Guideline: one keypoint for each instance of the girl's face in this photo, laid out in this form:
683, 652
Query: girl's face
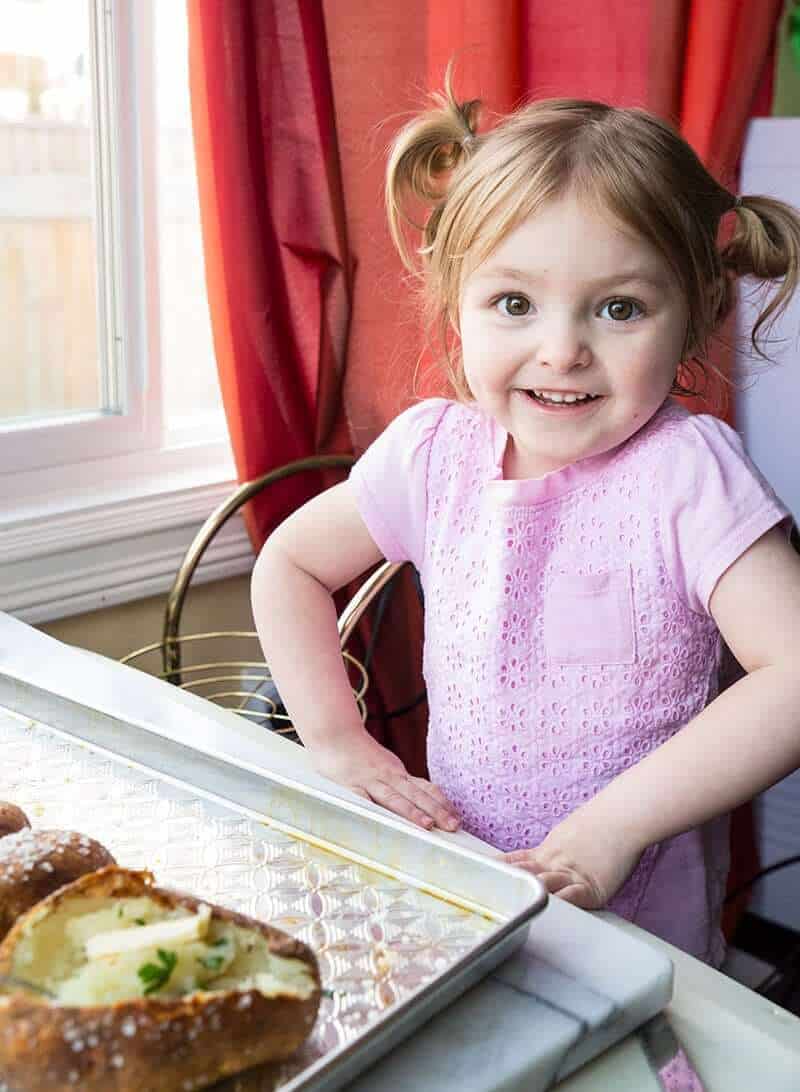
571, 302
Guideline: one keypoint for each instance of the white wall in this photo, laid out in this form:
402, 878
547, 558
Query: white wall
768, 417
118, 630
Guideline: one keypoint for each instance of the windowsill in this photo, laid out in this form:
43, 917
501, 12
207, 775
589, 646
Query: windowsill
109, 531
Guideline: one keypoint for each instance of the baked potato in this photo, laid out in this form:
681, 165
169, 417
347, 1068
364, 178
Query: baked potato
33, 863
149, 989
12, 818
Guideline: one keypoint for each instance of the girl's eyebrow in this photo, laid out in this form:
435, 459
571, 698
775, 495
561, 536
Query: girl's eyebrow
642, 276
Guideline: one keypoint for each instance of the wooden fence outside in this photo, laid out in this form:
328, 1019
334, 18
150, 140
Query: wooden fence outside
48, 332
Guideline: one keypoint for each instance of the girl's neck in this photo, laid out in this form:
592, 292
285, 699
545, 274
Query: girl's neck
517, 466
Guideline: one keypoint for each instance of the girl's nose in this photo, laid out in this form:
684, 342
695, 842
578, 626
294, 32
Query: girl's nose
561, 348
563, 362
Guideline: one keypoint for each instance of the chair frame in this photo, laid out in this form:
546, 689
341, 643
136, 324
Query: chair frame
352, 613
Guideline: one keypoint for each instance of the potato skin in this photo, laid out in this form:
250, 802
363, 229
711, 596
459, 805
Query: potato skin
170, 1045
12, 818
34, 863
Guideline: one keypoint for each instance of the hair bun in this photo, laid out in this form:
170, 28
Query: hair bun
423, 157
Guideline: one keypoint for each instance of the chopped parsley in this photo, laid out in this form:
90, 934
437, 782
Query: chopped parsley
211, 963
140, 921
218, 943
156, 975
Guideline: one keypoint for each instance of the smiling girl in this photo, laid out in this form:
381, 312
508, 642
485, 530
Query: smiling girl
587, 547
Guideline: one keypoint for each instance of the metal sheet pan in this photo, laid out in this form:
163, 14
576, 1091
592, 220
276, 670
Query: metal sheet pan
402, 922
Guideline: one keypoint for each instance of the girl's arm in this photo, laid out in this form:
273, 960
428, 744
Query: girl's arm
749, 736
740, 744
318, 549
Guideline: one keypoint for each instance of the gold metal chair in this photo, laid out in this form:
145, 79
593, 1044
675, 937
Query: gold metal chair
245, 685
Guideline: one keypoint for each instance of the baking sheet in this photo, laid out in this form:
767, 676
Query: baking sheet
392, 915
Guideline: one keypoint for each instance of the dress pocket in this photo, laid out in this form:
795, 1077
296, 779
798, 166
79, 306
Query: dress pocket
588, 618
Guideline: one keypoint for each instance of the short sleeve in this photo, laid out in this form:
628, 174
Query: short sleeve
714, 504
390, 481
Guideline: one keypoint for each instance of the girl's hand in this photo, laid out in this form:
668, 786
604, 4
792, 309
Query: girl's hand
581, 862
375, 773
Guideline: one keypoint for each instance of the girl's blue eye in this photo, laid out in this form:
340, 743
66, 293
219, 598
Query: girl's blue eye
514, 305
621, 310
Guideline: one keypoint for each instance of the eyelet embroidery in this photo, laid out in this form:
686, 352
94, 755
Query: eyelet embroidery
515, 740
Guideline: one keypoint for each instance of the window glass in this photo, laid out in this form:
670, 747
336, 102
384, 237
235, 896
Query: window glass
188, 369
48, 332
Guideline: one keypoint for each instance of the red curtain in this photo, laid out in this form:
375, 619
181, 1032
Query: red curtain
702, 63
280, 86
278, 266
727, 79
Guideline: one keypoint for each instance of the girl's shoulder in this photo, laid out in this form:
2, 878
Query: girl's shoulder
675, 431
391, 479
412, 429
445, 418
698, 460
422, 417
434, 409
713, 502
402, 451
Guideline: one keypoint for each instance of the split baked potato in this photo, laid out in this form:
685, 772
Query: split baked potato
146, 989
34, 863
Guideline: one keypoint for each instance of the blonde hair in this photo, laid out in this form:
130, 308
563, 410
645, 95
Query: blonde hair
479, 187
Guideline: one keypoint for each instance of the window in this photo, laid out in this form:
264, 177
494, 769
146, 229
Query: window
48, 217
113, 445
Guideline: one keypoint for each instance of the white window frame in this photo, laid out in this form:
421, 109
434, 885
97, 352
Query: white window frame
98, 510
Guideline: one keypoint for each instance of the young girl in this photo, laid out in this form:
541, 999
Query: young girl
585, 544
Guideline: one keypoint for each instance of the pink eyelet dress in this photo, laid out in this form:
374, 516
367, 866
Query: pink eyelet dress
567, 630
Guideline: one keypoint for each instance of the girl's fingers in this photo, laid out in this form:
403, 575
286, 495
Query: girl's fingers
390, 796
428, 803
434, 790
517, 856
579, 895
554, 879
522, 858
527, 858
556, 882
572, 888
433, 801
568, 884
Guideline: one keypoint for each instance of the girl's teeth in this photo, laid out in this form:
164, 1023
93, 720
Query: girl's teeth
557, 398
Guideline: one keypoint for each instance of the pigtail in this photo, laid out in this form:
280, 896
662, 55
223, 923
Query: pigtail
422, 159
765, 245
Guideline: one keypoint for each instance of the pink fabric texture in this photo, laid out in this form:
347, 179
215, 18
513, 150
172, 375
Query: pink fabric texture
567, 631
678, 1075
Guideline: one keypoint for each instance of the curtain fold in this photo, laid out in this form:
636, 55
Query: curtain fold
728, 51
278, 265
727, 79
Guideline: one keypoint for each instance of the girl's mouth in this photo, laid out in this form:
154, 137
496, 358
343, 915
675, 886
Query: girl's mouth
551, 406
